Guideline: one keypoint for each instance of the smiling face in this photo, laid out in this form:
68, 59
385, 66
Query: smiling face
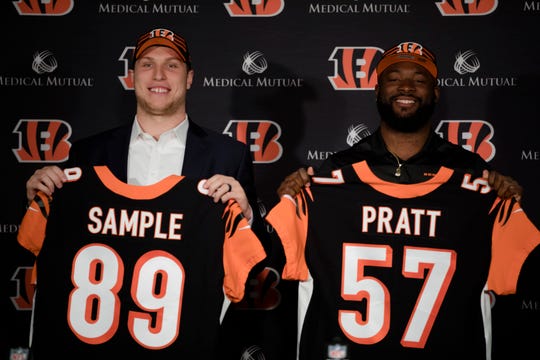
406, 96
161, 81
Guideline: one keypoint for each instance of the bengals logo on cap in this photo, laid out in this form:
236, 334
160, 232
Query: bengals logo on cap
163, 37
410, 47
408, 51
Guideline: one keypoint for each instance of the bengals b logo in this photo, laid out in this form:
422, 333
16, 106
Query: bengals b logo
472, 135
127, 78
42, 140
354, 67
254, 7
25, 290
261, 291
43, 8
261, 137
466, 7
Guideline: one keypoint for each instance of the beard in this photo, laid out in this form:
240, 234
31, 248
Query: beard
405, 124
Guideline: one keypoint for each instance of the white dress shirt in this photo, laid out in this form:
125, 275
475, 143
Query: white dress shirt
151, 160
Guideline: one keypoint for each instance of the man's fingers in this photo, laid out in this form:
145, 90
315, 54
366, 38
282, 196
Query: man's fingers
505, 186
294, 182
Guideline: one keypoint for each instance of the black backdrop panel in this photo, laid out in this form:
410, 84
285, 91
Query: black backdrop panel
64, 74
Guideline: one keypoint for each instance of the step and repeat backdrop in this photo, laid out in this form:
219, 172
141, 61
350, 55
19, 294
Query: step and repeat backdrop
293, 72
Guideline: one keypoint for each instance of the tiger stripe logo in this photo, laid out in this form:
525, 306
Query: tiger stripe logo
23, 300
472, 135
354, 67
44, 8
467, 7
254, 7
42, 140
126, 79
260, 135
262, 291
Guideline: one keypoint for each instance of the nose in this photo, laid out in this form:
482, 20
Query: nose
159, 74
406, 85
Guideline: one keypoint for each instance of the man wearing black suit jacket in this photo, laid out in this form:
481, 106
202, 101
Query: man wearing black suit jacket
162, 139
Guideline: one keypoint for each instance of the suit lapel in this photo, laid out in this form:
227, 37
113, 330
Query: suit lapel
117, 152
195, 156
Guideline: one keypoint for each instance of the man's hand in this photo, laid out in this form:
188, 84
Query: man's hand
223, 188
505, 186
46, 179
295, 182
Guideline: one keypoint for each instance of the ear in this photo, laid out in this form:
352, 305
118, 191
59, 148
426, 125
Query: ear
436, 93
189, 78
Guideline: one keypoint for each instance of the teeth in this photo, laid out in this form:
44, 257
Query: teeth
406, 101
158, 90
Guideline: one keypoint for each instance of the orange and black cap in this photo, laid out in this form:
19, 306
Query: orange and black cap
163, 37
408, 51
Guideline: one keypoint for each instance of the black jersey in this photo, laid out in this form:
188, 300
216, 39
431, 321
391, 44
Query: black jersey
134, 271
396, 271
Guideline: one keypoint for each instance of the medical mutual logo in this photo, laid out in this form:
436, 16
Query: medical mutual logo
254, 66
467, 65
44, 64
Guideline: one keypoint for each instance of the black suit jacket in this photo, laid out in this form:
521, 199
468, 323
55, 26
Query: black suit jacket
207, 153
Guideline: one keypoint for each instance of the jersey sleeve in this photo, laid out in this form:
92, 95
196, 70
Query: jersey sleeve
32, 229
514, 238
242, 250
289, 218
31, 232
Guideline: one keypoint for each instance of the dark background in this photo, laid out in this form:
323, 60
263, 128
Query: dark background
307, 116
